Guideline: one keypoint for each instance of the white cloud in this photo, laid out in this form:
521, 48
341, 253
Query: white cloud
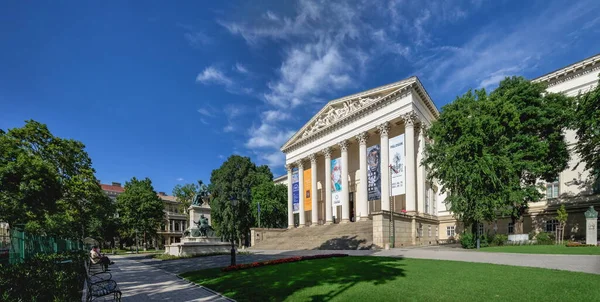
205, 112
267, 136
180, 179
203, 121
275, 160
213, 75
197, 39
232, 112
270, 116
221, 156
269, 15
240, 68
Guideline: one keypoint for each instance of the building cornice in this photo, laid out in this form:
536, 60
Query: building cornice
570, 72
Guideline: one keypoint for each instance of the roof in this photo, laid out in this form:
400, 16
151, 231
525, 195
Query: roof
112, 188
595, 59
280, 178
167, 197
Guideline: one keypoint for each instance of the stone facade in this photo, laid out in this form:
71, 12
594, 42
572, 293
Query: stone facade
345, 127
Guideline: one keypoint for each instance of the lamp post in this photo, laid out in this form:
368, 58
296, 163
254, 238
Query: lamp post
234, 203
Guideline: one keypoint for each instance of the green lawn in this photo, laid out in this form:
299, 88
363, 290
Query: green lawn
543, 249
395, 279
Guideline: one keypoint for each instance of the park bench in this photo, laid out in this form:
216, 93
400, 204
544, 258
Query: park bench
92, 267
100, 284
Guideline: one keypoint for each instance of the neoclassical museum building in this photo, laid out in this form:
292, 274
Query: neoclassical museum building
358, 159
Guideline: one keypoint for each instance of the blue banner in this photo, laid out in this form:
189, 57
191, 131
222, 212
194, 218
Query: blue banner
295, 191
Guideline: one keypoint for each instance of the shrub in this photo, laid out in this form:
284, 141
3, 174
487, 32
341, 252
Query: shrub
532, 235
467, 241
499, 239
578, 244
544, 238
55, 277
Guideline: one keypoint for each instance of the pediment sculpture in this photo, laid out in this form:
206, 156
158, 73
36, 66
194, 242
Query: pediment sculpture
334, 114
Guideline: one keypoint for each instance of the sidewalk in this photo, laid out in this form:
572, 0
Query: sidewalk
141, 282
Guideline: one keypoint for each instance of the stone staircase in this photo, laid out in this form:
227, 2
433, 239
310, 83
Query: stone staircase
349, 236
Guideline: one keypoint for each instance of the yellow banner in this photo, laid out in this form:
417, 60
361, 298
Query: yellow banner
307, 190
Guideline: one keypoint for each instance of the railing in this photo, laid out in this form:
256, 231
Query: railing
19, 246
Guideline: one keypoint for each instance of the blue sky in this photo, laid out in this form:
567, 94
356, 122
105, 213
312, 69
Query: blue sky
169, 92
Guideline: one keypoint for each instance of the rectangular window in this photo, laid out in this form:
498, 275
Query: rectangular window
552, 189
434, 202
511, 227
551, 225
480, 229
427, 201
450, 231
429, 230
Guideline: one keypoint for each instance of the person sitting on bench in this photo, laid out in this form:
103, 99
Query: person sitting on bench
98, 257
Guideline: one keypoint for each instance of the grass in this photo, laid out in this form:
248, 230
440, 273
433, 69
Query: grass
543, 249
166, 257
394, 279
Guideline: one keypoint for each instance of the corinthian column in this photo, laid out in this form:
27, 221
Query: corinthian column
385, 163
421, 187
328, 209
345, 204
290, 197
313, 188
363, 197
301, 192
409, 129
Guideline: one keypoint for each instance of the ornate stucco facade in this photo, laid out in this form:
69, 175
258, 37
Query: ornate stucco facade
346, 127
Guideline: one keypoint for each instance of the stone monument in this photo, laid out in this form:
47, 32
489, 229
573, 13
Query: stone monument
591, 228
200, 237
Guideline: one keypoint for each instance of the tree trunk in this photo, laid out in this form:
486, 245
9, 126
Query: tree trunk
145, 243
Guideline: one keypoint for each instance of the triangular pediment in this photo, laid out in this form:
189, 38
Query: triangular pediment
339, 109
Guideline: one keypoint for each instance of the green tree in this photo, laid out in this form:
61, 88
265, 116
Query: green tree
140, 209
561, 216
273, 204
586, 123
185, 193
47, 183
491, 151
231, 194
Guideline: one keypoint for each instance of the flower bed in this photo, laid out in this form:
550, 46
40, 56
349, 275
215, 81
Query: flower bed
279, 261
577, 244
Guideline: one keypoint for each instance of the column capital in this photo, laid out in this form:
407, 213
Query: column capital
343, 145
384, 129
362, 138
313, 158
327, 152
410, 119
300, 164
289, 167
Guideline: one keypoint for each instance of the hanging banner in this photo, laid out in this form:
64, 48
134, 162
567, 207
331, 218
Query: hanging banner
336, 182
307, 190
295, 191
374, 173
397, 159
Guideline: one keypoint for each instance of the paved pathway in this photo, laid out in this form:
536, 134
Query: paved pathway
141, 282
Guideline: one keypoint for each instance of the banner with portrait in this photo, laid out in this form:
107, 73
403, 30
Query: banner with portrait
397, 158
295, 191
336, 182
307, 190
373, 173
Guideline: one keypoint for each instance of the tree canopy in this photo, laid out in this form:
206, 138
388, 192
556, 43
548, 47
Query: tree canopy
140, 209
273, 204
47, 183
231, 195
490, 152
185, 193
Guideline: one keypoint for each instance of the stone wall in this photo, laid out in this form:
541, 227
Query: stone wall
410, 230
260, 234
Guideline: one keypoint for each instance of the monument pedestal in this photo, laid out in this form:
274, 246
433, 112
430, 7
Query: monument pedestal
191, 246
591, 227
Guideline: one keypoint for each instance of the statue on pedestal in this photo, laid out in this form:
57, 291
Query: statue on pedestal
201, 196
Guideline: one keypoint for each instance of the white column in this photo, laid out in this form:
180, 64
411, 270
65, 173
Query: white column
313, 188
345, 203
409, 129
421, 187
385, 163
290, 197
328, 209
363, 196
301, 193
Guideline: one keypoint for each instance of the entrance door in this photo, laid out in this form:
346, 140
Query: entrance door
351, 202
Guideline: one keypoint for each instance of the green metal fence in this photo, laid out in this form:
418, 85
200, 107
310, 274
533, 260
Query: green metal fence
19, 246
